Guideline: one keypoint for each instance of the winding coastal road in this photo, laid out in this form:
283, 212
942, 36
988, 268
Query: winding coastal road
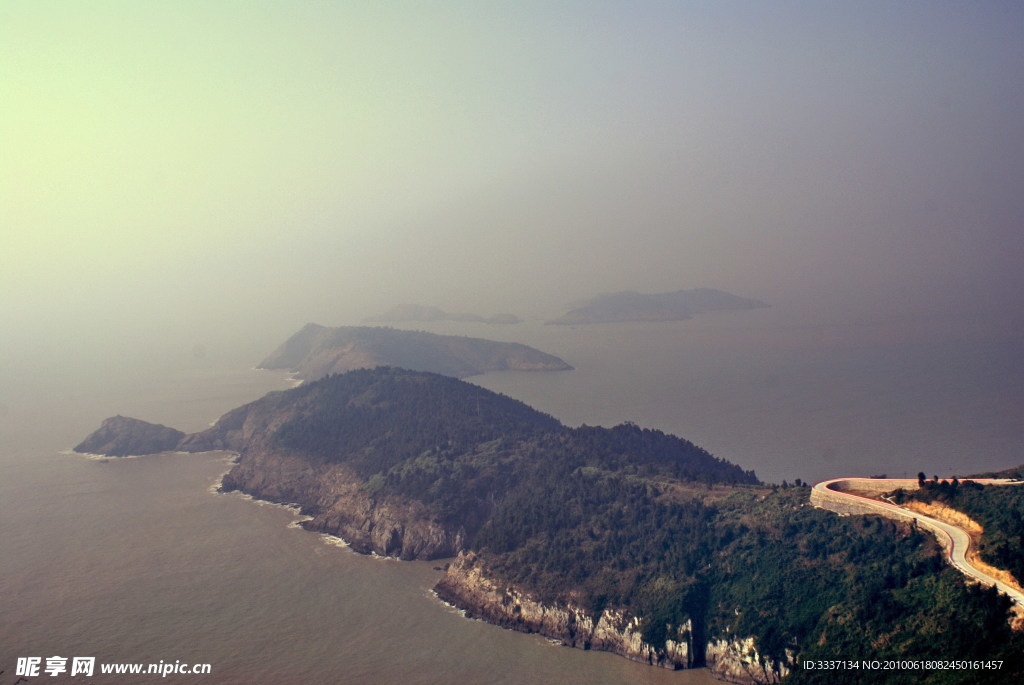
838, 495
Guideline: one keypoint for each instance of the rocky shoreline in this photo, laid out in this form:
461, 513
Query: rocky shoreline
339, 506
398, 528
467, 586
332, 498
344, 503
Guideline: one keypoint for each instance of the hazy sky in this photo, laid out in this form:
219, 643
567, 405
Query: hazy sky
256, 165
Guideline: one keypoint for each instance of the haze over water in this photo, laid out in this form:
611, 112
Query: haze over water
136, 560
185, 184
769, 391
217, 174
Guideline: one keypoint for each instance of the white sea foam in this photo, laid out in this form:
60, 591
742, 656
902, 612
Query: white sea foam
451, 607
332, 540
230, 459
290, 506
299, 520
108, 457
295, 509
103, 457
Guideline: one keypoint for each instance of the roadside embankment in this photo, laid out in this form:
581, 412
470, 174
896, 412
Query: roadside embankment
847, 496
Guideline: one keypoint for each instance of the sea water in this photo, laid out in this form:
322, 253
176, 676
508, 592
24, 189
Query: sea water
140, 561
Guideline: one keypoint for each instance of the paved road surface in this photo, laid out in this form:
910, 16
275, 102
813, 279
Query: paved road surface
954, 539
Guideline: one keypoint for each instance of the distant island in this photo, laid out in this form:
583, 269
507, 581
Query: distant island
674, 306
1016, 472
620, 539
405, 313
121, 436
316, 351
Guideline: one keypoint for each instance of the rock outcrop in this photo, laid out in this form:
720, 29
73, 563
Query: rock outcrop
467, 586
341, 506
121, 436
737, 660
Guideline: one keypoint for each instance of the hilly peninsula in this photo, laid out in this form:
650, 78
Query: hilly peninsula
673, 306
316, 351
405, 313
620, 539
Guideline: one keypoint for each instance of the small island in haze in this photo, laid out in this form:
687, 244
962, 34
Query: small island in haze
405, 313
121, 436
316, 351
619, 539
674, 306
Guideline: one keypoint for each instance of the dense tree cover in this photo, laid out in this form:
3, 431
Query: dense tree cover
630, 448
459, 447
374, 419
646, 522
755, 563
858, 587
999, 509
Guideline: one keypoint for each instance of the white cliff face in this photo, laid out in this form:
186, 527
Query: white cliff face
738, 661
467, 586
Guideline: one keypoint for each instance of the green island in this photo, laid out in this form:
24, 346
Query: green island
622, 539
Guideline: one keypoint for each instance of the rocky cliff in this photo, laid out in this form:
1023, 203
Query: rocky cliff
467, 585
121, 436
340, 505
332, 492
737, 660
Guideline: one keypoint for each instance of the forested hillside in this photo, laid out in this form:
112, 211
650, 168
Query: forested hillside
683, 547
999, 509
462, 450
651, 524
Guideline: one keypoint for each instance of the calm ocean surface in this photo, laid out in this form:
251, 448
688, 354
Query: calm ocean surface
137, 560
